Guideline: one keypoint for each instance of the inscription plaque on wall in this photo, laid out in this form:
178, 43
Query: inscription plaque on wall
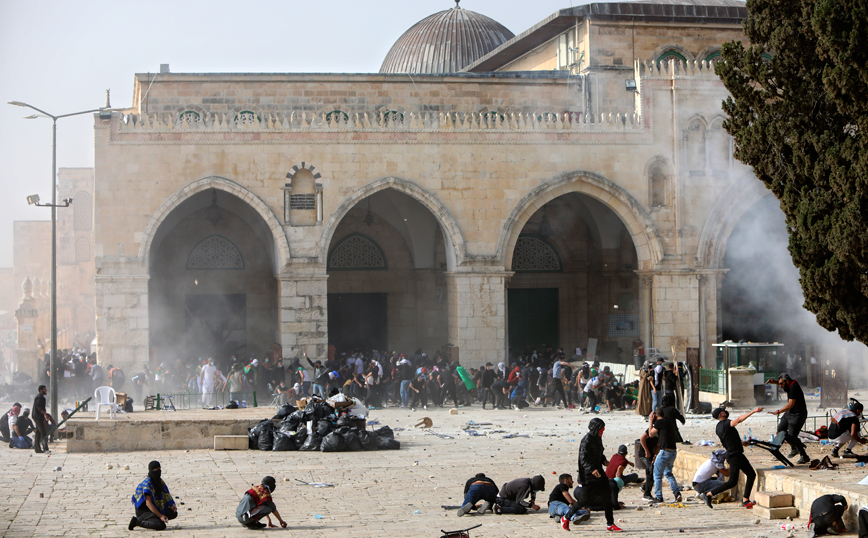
302, 202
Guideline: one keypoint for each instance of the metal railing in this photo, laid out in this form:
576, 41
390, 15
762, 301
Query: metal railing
175, 401
713, 381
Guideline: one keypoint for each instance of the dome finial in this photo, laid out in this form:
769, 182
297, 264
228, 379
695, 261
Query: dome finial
456, 4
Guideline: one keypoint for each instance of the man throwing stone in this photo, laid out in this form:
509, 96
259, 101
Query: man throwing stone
735, 457
154, 505
256, 504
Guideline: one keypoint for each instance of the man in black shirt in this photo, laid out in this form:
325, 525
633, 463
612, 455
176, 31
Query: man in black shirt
562, 504
731, 442
511, 499
795, 414
499, 390
826, 514
665, 430
41, 420
478, 488
673, 415
487, 380
592, 474
844, 427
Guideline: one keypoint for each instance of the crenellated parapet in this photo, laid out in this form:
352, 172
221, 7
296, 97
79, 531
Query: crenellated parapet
675, 69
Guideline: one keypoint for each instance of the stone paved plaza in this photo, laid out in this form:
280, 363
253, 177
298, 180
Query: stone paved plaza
386, 493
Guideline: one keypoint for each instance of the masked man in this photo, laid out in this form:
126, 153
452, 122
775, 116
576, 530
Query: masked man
154, 504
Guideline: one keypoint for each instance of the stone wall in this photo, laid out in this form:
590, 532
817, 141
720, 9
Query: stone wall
124, 436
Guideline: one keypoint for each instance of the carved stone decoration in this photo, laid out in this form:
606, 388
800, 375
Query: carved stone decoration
357, 252
215, 252
534, 254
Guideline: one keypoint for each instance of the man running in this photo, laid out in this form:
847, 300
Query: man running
795, 414
731, 441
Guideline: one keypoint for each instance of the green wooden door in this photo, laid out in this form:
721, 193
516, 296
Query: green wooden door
533, 318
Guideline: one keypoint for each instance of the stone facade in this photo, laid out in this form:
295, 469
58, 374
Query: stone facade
485, 159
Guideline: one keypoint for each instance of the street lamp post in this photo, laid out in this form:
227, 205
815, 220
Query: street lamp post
53, 378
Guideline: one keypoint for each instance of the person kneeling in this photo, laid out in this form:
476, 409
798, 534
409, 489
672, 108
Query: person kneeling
154, 505
478, 488
826, 512
257, 504
562, 504
511, 499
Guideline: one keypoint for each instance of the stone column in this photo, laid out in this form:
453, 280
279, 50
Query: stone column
27, 314
122, 323
646, 283
304, 312
676, 311
477, 315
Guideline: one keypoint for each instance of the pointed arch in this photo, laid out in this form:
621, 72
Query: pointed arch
451, 232
649, 248
281, 245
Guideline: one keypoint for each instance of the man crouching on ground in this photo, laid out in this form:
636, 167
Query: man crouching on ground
154, 505
257, 504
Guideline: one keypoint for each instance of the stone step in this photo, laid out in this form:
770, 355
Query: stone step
231, 442
776, 513
773, 499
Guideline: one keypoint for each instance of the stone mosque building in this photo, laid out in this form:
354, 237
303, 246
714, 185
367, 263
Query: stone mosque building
485, 190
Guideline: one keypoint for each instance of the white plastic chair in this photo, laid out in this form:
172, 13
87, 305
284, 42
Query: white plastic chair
106, 396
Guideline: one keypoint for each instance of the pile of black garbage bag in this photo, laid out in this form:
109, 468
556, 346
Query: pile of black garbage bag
317, 427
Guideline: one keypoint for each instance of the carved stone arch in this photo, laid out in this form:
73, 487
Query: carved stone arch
455, 248
716, 121
712, 51
659, 188
307, 166
695, 130
649, 247
233, 114
696, 120
281, 244
730, 206
672, 49
180, 110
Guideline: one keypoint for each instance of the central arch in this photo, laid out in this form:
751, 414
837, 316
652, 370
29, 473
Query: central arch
455, 250
649, 248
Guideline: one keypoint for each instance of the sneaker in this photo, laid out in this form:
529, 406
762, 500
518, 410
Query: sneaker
804, 459
648, 497
707, 499
516, 408
793, 453
486, 506
748, 504
581, 515
257, 525
464, 509
659, 500
497, 509
613, 528
245, 518
133, 523
425, 407
811, 532
678, 499
835, 452
848, 452
565, 523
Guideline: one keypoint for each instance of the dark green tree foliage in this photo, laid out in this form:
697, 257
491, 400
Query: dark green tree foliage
799, 116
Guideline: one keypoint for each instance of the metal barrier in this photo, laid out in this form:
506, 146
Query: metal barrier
713, 381
175, 401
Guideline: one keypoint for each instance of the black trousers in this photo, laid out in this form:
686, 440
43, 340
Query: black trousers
41, 442
792, 424
511, 507
737, 463
648, 485
863, 523
486, 392
592, 399
559, 391
449, 390
149, 520
827, 520
598, 493
417, 396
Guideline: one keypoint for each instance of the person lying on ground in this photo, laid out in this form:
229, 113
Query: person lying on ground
154, 505
478, 488
256, 504
511, 499
618, 464
562, 504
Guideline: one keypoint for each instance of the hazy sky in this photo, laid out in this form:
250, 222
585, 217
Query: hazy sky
62, 56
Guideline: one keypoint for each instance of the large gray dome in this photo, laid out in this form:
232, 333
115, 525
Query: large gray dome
445, 42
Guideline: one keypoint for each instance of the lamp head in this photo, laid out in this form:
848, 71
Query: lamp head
31, 117
16, 103
33, 199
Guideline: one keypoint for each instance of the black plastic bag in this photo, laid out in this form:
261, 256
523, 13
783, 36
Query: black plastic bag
252, 439
300, 437
385, 443
323, 427
386, 432
311, 443
368, 440
317, 411
284, 411
266, 439
263, 424
344, 421
354, 444
333, 442
283, 442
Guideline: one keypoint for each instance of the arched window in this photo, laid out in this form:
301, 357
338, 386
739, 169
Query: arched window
670, 54
659, 184
357, 252
247, 117
533, 254
82, 212
191, 116
82, 250
694, 145
337, 115
215, 252
303, 196
719, 150
712, 56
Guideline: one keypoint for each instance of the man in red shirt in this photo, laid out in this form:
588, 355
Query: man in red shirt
256, 504
618, 464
